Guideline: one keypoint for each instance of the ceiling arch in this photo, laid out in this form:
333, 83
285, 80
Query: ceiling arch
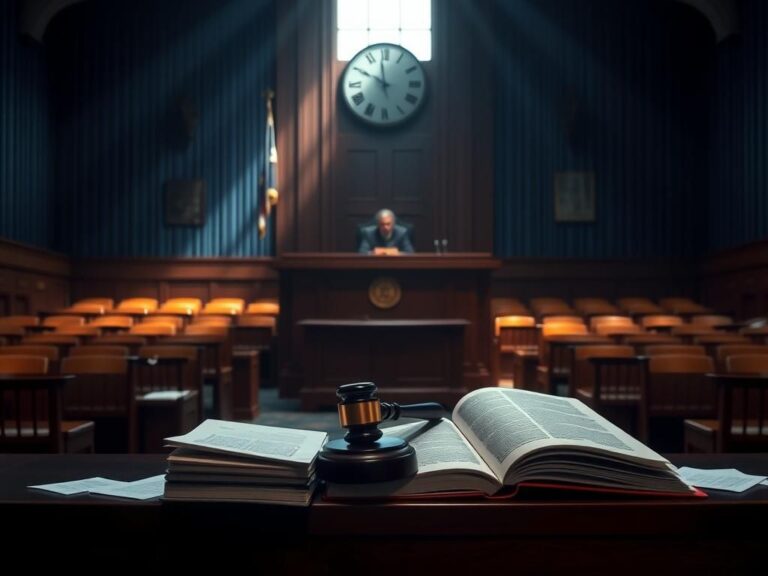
721, 14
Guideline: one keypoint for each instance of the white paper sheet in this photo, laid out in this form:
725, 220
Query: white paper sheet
79, 486
144, 489
728, 479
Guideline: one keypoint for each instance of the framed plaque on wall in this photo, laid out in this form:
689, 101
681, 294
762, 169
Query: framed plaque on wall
574, 196
184, 202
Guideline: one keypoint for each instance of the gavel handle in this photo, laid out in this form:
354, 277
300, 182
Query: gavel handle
425, 411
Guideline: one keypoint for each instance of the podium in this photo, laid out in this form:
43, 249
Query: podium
416, 324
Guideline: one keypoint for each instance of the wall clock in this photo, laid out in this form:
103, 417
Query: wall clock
384, 85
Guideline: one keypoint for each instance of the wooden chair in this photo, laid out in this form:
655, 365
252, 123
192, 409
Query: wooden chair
637, 307
84, 332
690, 331
674, 349
683, 306
660, 323
511, 333
562, 319
207, 329
555, 359
742, 417
715, 320
103, 392
31, 417
177, 321
51, 353
12, 334
99, 350
231, 306
213, 320
137, 306
725, 350
112, 323
25, 322
181, 306
263, 308
610, 380
747, 364
56, 321
169, 387
596, 321
21, 364
151, 329
676, 389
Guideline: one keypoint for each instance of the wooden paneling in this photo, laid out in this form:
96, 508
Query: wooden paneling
526, 278
434, 172
336, 287
32, 279
247, 278
736, 281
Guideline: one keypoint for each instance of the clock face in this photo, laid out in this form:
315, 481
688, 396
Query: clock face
384, 85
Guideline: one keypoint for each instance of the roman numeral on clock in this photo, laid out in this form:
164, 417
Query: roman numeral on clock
358, 98
369, 109
358, 84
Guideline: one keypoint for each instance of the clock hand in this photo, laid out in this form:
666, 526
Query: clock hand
384, 83
364, 73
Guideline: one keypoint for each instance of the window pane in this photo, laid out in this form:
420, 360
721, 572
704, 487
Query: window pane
351, 14
384, 14
392, 36
415, 14
419, 42
350, 42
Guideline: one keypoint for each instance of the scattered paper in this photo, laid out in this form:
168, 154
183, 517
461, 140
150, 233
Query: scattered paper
728, 479
166, 395
144, 489
79, 486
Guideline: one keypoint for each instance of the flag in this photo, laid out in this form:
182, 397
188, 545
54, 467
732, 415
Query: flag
268, 181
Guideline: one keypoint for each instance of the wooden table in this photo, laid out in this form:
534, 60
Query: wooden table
724, 534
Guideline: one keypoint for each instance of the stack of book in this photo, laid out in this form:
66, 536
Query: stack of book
234, 461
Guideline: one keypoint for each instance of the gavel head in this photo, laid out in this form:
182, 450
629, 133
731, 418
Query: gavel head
360, 412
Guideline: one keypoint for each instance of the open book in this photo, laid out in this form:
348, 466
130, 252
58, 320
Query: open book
501, 439
222, 460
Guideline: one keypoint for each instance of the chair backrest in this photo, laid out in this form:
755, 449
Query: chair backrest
675, 349
747, 364
20, 321
725, 350
619, 329
207, 329
31, 415
187, 305
63, 320
23, 364
212, 320
137, 305
75, 330
169, 367
103, 392
677, 388
222, 308
265, 308
177, 321
513, 322
237, 304
153, 329
114, 322
583, 371
562, 319
660, 321
742, 413
99, 350
516, 331
596, 321
712, 320
49, 352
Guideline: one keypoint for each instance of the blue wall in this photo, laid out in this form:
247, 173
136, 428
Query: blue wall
25, 135
120, 69
739, 152
618, 88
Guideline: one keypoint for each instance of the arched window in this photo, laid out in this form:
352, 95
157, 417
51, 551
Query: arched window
360, 23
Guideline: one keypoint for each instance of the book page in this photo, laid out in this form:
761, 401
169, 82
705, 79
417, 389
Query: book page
504, 425
79, 486
285, 445
447, 463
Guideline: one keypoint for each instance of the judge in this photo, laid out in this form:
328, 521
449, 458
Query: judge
385, 234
